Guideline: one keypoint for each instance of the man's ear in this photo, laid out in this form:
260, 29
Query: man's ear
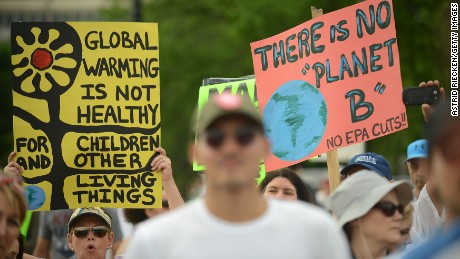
191, 152
111, 238
69, 241
267, 147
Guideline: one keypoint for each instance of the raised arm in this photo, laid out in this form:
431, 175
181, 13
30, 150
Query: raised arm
163, 163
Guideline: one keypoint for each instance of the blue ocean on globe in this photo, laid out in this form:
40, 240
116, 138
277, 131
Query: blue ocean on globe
35, 196
295, 119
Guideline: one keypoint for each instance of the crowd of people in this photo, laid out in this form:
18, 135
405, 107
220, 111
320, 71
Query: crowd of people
369, 215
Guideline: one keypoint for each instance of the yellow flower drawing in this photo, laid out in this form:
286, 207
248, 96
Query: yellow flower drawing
42, 60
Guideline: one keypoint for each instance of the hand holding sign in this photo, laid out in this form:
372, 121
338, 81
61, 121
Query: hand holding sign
86, 113
162, 163
13, 167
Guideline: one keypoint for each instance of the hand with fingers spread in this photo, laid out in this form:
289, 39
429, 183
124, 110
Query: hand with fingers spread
13, 167
426, 108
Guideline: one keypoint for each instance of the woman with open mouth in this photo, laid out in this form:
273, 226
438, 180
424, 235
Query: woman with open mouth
90, 234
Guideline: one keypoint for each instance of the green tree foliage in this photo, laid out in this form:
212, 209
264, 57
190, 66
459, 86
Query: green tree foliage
6, 100
207, 38
423, 42
115, 12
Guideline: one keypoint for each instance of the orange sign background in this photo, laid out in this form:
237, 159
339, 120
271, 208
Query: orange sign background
351, 57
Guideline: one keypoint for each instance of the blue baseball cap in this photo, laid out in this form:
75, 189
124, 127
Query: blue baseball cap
371, 161
417, 149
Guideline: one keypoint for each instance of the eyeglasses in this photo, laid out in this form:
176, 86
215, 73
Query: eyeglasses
389, 208
243, 135
82, 232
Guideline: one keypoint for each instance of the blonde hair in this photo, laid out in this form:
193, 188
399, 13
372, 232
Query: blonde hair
16, 200
408, 211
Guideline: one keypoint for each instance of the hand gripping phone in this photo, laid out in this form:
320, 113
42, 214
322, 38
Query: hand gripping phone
421, 95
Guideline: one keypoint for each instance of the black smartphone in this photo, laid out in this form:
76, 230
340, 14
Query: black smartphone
421, 95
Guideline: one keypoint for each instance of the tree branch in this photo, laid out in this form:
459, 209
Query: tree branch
28, 117
113, 128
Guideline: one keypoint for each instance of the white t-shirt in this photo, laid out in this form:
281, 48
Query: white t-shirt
288, 229
426, 219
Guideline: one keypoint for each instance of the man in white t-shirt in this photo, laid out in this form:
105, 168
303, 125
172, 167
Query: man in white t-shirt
233, 220
428, 215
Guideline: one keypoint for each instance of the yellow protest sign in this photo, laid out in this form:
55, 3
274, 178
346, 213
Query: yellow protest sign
86, 113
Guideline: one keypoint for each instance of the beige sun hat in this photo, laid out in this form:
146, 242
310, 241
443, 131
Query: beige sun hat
359, 193
97, 211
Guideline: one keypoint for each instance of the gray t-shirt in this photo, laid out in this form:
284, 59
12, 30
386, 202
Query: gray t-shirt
53, 227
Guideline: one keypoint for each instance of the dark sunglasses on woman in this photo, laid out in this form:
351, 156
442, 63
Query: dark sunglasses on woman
243, 135
82, 232
389, 208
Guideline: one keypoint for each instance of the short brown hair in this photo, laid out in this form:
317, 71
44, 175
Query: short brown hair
135, 216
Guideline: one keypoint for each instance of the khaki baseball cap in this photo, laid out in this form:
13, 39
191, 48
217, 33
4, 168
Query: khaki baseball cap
97, 211
223, 105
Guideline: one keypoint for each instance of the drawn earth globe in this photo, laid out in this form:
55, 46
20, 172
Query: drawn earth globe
295, 119
35, 197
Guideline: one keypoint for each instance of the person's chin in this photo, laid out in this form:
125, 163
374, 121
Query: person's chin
92, 254
396, 237
235, 181
230, 179
233, 172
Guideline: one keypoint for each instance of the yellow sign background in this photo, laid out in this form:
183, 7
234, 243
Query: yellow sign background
113, 100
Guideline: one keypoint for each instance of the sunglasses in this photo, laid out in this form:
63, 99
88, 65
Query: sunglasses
82, 232
389, 208
243, 135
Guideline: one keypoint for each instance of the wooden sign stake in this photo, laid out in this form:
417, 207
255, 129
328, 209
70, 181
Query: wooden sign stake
332, 156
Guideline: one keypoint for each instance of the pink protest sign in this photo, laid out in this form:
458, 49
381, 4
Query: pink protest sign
330, 82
